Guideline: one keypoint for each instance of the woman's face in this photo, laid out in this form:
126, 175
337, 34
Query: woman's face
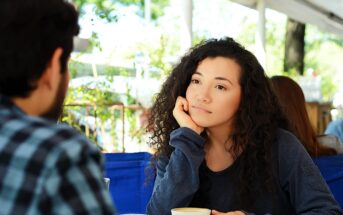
214, 92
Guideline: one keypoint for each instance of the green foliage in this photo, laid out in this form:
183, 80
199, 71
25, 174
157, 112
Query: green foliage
197, 38
323, 54
100, 97
157, 58
105, 9
78, 69
94, 42
95, 112
274, 42
328, 87
72, 69
275, 46
321, 50
247, 33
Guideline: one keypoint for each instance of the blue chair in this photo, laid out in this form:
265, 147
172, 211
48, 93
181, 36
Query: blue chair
131, 185
331, 168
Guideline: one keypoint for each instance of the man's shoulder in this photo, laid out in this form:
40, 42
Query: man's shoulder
42, 128
62, 137
39, 132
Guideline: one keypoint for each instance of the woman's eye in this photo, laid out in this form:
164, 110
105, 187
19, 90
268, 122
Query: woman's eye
220, 87
195, 81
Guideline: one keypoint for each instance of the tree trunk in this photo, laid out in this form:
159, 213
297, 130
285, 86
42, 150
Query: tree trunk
294, 46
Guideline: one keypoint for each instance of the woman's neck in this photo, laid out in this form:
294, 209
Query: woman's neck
217, 154
219, 137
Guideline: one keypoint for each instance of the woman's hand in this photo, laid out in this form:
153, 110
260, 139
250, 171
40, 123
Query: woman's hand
182, 117
214, 212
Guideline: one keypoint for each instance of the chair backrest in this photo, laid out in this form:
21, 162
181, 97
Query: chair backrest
131, 186
331, 168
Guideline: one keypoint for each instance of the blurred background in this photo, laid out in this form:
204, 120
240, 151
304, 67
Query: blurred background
126, 48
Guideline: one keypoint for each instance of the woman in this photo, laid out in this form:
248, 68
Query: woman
216, 129
292, 101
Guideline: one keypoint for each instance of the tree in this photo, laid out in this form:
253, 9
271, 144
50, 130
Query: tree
294, 47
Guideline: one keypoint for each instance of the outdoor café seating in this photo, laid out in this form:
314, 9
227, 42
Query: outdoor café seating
131, 182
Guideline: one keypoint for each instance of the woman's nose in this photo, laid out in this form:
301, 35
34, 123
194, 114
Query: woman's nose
204, 97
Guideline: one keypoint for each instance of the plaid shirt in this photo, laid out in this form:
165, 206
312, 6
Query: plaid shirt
47, 168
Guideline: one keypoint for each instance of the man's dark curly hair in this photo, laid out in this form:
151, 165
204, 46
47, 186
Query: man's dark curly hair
256, 121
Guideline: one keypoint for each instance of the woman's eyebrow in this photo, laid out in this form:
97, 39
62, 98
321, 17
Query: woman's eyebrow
223, 79
216, 78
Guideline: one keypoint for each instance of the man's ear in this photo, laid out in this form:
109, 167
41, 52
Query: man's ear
51, 75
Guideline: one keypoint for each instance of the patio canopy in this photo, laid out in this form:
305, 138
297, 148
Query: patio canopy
326, 14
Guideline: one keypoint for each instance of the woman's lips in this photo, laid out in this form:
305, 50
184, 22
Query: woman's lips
201, 109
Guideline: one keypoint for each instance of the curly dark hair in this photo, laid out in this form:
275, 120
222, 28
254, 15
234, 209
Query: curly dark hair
256, 121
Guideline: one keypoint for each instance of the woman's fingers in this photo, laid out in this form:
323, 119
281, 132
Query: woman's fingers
182, 103
182, 117
179, 107
214, 212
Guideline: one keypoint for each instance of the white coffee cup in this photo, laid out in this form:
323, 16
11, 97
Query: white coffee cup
190, 211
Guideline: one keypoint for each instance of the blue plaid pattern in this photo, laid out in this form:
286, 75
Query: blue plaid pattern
47, 168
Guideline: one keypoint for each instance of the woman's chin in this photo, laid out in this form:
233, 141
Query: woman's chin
201, 123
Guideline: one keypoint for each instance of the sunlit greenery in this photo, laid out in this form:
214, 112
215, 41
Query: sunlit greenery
323, 55
106, 9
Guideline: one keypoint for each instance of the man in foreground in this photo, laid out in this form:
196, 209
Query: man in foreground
45, 168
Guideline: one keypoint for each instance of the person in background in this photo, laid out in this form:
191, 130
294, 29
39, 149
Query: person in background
217, 127
45, 168
335, 128
292, 101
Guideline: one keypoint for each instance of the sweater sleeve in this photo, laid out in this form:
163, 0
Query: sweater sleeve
177, 177
300, 179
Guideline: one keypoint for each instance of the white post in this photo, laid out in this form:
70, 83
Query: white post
147, 10
261, 33
186, 8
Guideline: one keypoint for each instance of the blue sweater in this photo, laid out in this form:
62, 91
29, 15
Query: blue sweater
302, 190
